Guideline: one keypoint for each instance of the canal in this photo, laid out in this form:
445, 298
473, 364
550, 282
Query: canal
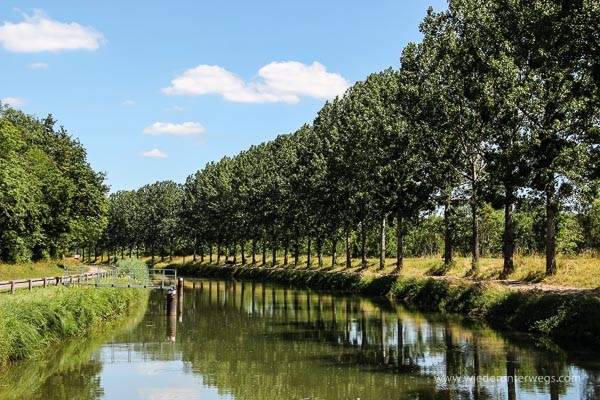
249, 340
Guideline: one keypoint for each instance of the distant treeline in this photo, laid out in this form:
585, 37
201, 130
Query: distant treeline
484, 141
50, 198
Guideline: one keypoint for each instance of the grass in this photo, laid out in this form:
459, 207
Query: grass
31, 321
581, 271
33, 270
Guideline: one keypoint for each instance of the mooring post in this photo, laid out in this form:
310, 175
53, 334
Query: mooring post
193, 284
171, 328
180, 297
171, 303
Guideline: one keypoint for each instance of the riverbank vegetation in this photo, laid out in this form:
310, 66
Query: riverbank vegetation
31, 321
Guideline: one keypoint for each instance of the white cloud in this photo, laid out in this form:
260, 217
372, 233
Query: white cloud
280, 82
38, 65
178, 108
167, 128
128, 102
14, 101
154, 153
40, 33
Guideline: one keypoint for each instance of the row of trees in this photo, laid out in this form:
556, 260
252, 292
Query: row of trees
498, 104
51, 200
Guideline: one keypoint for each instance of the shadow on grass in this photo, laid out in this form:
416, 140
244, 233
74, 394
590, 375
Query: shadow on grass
438, 269
534, 276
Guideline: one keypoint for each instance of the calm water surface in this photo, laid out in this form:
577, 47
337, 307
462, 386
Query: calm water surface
244, 340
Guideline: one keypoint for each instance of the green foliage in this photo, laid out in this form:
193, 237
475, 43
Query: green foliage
134, 268
51, 200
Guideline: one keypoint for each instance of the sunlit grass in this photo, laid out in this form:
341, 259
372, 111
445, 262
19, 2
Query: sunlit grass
38, 269
581, 271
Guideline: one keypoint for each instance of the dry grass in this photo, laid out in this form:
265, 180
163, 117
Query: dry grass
33, 270
573, 271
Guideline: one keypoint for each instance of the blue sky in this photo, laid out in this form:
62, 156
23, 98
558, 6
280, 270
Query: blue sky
154, 89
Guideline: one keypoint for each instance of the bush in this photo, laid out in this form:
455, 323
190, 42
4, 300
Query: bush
134, 268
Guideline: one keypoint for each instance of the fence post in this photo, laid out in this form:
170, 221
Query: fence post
12, 287
45, 282
30, 284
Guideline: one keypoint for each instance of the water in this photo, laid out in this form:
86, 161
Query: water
247, 340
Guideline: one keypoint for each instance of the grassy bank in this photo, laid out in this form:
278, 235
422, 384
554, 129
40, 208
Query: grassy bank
38, 269
571, 319
581, 271
30, 321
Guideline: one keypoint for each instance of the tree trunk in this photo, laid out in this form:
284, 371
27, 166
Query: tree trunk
210, 254
551, 211
296, 253
218, 253
242, 250
475, 236
447, 233
509, 241
348, 250
195, 249
333, 252
253, 252
285, 252
170, 250
234, 253
226, 252
363, 250
264, 253
400, 244
382, 243
320, 251
151, 251
308, 253
274, 261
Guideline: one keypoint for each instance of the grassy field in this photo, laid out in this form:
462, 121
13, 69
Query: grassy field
573, 272
34, 270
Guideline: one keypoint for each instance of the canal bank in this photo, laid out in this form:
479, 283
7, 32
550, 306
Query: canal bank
32, 321
570, 319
